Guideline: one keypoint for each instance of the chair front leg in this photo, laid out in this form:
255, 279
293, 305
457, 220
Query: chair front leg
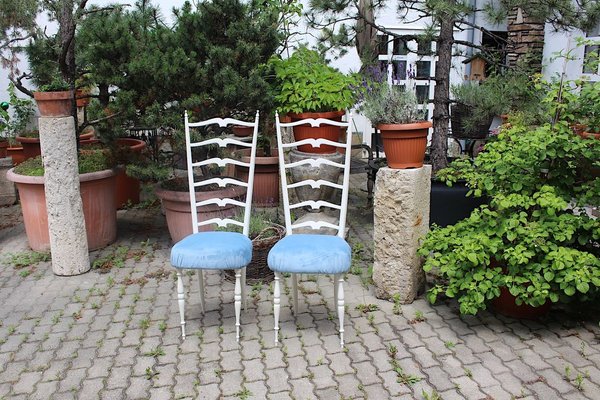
340, 307
200, 274
244, 291
295, 292
237, 297
181, 301
335, 289
276, 305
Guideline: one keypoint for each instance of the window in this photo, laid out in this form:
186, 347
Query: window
423, 69
398, 70
400, 48
382, 44
591, 52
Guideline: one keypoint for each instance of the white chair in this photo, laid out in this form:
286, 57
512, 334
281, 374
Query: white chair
216, 249
301, 253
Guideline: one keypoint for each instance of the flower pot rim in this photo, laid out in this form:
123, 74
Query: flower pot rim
317, 114
52, 95
25, 139
12, 176
184, 196
405, 127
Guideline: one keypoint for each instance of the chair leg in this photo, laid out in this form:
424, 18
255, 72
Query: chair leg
200, 274
237, 297
335, 288
295, 292
244, 291
181, 301
340, 307
276, 305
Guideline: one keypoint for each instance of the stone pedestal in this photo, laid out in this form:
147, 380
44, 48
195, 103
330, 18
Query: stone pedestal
68, 240
8, 195
401, 219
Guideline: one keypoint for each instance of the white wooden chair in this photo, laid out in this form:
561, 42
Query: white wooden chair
216, 249
301, 253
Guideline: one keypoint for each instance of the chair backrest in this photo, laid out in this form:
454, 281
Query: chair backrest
316, 161
211, 128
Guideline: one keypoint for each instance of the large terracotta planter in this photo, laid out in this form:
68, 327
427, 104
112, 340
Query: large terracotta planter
326, 131
128, 188
31, 145
404, 144
176, 206
265, 192
3, 147
97, 195
16, 153
242, 131
53, 104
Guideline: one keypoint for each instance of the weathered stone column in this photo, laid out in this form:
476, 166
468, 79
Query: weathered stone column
8, 196
401, 219
68, 239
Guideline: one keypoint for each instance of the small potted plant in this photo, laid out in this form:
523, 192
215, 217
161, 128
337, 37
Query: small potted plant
306, 87
401, 121
54, 99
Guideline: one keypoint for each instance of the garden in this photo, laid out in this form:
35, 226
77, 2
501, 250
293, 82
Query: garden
510, 261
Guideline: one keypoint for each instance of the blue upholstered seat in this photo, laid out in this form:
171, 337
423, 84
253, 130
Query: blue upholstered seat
310, 254
212, 250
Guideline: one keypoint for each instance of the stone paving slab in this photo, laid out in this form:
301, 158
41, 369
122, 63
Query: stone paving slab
113, 333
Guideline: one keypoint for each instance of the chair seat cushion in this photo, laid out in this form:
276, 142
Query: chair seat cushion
212, 250
310, 254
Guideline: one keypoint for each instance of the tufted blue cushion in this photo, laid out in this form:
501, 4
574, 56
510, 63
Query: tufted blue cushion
310, 254
212, 250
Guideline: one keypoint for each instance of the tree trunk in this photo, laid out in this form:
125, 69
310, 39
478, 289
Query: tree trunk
366, 34
441, 96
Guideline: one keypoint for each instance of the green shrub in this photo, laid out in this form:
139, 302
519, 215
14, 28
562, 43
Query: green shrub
536, 228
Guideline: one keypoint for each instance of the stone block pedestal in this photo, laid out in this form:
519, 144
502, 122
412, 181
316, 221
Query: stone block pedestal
401, 219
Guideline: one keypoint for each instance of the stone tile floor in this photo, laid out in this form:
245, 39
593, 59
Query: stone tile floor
113, 333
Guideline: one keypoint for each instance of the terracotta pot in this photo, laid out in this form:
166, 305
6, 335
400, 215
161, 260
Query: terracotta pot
326, 131
505, 305
97, 195
31, 145
53, 104
178, 212
16, 153
265, 191
242, 131
128, 188
404, 144
3, 147
85, 100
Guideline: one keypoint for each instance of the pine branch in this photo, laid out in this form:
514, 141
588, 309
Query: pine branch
18, 82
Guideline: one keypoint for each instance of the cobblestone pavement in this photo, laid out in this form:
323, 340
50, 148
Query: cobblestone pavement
113, 333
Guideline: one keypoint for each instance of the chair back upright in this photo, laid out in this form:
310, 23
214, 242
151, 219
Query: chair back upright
222, 139
316, 161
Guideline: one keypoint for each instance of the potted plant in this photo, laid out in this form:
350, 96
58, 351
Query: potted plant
54, 99
534, 243
4, 118
475, 105
97, 182
22, 112
306, 87
397, 115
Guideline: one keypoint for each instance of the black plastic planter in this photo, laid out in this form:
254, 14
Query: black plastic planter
448, 205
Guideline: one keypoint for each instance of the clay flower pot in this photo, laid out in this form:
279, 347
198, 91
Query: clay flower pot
176, 205
16, 153
3, 147
83, 101
53, 104
326, 131
242, 131
265, 192
404, 144
128, 188
505, 305
97, 195
31, 145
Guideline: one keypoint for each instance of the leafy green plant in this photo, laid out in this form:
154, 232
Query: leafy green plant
305, 83
535, 237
